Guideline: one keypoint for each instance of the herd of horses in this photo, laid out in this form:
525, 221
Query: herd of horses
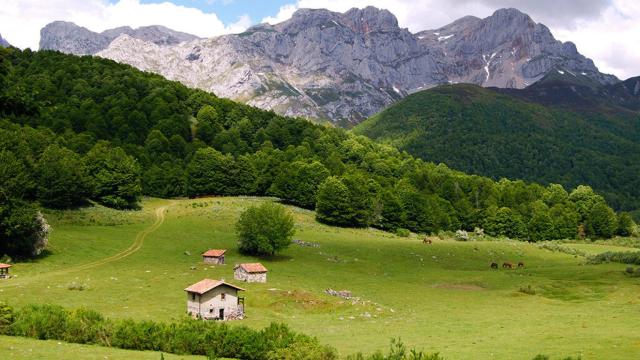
494, 265
507, 265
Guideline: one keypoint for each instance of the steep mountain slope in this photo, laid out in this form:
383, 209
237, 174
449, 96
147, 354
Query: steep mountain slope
346, 66
578, 137
70, 38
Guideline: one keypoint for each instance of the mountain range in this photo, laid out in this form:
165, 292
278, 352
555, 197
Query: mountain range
341, 67
70, 38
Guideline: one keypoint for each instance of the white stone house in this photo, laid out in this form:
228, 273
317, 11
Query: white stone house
253, 272
214, 257
214, 300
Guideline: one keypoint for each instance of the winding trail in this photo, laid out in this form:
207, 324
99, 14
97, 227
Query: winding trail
137, 244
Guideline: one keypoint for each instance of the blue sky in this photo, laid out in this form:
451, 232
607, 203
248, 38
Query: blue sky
230, 10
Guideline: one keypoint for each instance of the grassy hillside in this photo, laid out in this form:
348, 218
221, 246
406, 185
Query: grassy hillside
485, 132
440, 297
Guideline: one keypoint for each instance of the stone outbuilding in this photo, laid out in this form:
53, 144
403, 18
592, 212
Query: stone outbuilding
253, 272
4, 271
214, 300
213, 256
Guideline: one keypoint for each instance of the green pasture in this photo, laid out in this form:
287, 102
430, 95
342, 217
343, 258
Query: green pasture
441, 297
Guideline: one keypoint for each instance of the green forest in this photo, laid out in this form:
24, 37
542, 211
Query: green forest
481, 131
78, 130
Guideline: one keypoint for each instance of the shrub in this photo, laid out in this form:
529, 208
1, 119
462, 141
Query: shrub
40, 322
624, 257
264, 229
397, 351
527, 290
6, 318
402, 232
462, 235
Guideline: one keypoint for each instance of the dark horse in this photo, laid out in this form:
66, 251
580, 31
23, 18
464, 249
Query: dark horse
520, 264
494, 265
507, 265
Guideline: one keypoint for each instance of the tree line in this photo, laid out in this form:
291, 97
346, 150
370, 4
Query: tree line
81, 129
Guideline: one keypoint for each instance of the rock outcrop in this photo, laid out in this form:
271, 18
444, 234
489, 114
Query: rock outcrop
70, 38
344, 67
3, 42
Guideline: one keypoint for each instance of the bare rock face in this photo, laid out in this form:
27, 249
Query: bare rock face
3, 42
506, 50
70, 38
344, 67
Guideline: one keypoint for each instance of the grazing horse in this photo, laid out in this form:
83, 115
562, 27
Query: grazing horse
494, 265
507, 265
520, 264
426, 240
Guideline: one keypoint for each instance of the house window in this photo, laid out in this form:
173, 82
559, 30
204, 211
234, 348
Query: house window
222, 296
193, 297
211, 311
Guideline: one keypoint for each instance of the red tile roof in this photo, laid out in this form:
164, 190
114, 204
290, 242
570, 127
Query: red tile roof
4, 266
253, 268
214, 253
207, 285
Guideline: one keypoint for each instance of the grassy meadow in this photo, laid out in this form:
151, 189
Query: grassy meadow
441, 297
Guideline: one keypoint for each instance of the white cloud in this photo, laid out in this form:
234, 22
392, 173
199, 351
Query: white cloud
21, 20
605, 31
285, 12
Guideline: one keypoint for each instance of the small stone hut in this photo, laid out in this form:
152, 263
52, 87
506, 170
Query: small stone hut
214, 300
254, 272
213, 256
4, 271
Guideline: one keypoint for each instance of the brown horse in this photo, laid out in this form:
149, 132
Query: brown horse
426, 240
507, 265
494, 265
520, 264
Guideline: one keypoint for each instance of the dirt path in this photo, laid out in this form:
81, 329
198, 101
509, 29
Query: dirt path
133, 248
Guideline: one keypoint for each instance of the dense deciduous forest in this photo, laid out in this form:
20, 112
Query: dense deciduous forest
480, 131
80, 129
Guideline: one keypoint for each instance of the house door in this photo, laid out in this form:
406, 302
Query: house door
221, 317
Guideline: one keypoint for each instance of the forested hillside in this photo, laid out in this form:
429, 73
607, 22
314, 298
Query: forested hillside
82, 129
553, 132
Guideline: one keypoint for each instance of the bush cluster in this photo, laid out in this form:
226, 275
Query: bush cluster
624, 257
188, 336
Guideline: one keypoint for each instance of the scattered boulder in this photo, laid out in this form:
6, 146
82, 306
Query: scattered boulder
345, 294
305, 243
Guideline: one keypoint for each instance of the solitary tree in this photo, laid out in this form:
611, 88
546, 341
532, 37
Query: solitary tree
264, 229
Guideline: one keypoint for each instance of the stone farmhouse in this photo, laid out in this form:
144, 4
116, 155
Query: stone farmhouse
214, 257
254, 272
214, 300
4, 271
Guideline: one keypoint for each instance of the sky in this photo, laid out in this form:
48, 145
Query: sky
607, 31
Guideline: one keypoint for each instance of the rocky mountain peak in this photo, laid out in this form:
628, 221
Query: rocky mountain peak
73, 39
511, 15
370, 19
